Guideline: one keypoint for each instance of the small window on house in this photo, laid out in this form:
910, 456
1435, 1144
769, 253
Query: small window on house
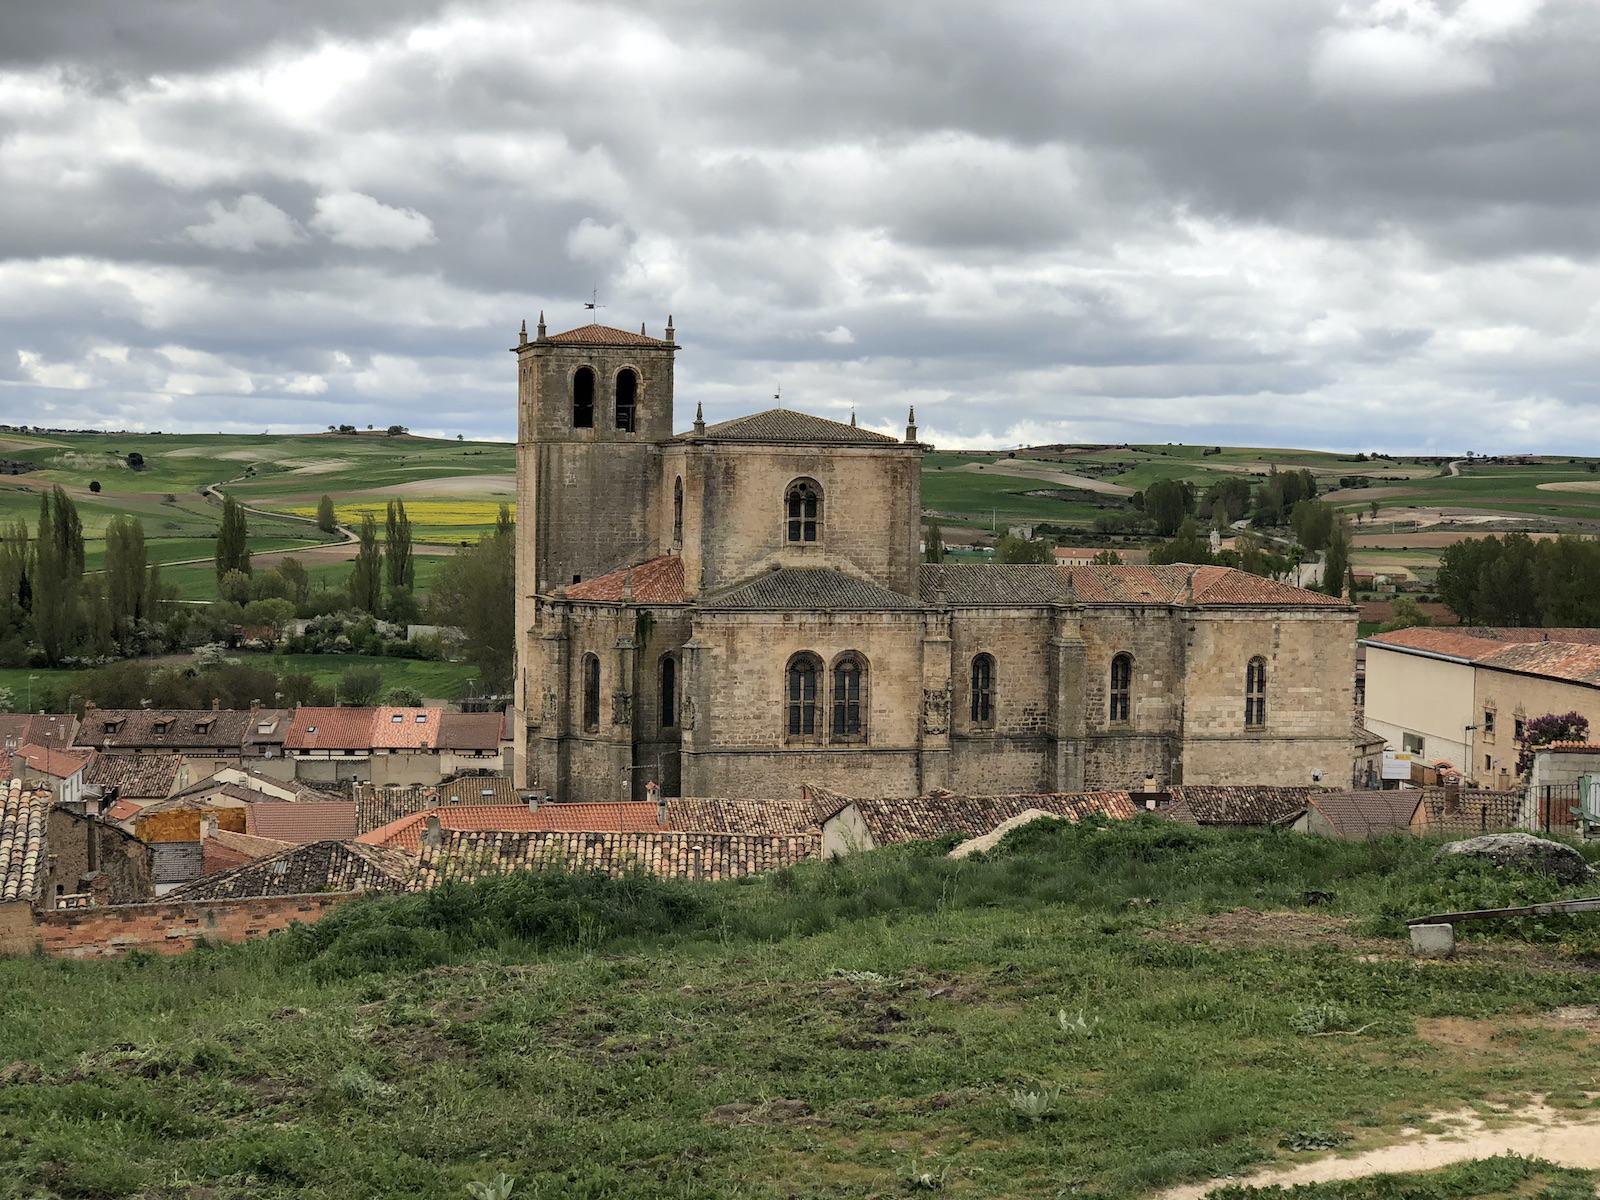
849, 675
1255, 693
1411, 743
1121, 687
397, 718
983, 690
669, 691
583, 399
311, 728
1516, 728
422, 718
627, 397
804, 511
802, 675
677, 511
1488, 764
1488, 721
591, 694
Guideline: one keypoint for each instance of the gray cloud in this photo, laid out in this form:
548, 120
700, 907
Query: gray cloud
1348, 224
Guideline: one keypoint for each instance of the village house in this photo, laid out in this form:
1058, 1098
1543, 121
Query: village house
206, 738
1461, 694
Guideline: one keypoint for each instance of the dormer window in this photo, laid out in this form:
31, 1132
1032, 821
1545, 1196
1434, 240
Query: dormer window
116, 726
163, 724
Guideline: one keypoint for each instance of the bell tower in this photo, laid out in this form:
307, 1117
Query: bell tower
592, 405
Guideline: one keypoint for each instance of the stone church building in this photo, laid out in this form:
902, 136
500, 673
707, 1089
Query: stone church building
741, 609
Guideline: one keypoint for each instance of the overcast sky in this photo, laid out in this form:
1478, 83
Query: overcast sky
1351, 225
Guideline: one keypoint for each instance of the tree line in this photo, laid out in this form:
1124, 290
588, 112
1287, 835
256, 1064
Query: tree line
1515, 580
50, 604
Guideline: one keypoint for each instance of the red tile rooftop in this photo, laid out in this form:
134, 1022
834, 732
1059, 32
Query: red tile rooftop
658, 581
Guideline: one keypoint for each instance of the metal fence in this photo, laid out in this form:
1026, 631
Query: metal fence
1550, 808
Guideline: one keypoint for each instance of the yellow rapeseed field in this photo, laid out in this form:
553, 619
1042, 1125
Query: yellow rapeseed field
420, 512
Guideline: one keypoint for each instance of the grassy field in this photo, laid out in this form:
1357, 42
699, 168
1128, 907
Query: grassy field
1092, 1012
437, 680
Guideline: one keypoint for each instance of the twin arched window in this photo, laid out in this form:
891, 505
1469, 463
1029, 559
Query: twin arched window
627, 408
845, 707
1255, 693
591, 694
803, 511
983, 690
1121, 687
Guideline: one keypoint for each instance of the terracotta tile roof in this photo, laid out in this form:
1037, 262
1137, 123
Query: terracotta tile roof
1549, 660
1224, 586
121, 810
785, 425
268, 727
406, 728
60, 762
216, 858
255, 789
378, 806
24, 825
1449, 642
407, 831
318, 867
1182, 583
1569, 748
604, 335
299, 824
41, 729
139, 776
1359, 815
658, 581
720, 815
330, 729
250, 846
1243, 804
471, 854
992, 584
165, 728
809, 588
470, 789
471, 731
917, 818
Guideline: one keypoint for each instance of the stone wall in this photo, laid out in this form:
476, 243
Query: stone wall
173, 928
871, 511
1308, 736
122, 862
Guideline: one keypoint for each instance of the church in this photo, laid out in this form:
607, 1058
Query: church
741, 609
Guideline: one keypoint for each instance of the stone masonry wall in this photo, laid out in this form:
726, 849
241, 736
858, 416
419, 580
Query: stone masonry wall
173, 928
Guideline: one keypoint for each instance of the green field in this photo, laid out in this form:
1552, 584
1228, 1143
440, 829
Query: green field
1088, 1012
436, 680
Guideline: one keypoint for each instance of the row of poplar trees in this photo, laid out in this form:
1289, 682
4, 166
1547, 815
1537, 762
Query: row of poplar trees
47, 600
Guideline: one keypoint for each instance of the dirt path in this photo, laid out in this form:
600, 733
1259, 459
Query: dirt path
1028, 470
1541, 1132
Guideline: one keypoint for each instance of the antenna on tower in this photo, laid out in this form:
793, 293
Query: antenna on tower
593, 303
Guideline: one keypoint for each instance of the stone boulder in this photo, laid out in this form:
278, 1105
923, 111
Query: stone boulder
1526, 853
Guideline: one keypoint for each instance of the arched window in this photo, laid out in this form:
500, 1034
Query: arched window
804, 671
1255, 693
803, 508
1121, 686
591, 694
669, 691
849, 694
983, 690
627, 398
583, 399
677, 511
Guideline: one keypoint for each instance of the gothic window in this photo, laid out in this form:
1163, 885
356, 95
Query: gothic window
669, 691
804, 671
591, 694
583, 399
1121, 686
983, 690
627, 397
803, 507
849, 686
677, 511
1255, 694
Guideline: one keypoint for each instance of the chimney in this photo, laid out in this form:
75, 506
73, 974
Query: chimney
533, 801
208, 826
652, 791
432, 833
88, 707
255, 707
216, 704
1150, 784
